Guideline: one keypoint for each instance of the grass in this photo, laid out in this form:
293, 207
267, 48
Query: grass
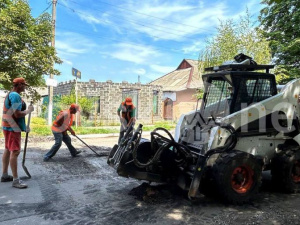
39, 128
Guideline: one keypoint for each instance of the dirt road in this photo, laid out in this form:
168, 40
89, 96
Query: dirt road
85, 190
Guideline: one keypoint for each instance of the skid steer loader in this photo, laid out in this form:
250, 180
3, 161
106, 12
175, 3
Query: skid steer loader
243, 127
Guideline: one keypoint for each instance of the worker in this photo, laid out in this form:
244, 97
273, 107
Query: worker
127, 117
61, 125
13, 123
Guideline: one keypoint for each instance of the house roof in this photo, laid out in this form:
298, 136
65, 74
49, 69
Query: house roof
186, 76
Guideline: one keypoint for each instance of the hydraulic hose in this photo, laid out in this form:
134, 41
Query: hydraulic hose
170, 142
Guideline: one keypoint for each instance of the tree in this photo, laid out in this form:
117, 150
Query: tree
281, 22
63, 102
233, 38
86, 104
25, 45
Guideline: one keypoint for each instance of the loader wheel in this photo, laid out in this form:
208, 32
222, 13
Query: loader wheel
285, 170
238, 176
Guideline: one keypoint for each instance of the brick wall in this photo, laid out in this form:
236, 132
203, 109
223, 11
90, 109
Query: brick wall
110, 95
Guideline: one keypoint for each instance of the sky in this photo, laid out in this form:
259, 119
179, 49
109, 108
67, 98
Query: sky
141, 40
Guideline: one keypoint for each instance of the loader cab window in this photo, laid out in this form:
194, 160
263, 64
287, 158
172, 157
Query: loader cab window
219, 97
252, 90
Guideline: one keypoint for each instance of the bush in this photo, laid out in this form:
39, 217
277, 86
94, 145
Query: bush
38, 121
40, 130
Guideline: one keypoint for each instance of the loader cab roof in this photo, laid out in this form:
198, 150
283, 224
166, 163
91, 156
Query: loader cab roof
229, 88
239, 67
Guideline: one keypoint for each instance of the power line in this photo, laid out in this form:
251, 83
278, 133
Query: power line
175, 22
49, 5
140, 24
175, 51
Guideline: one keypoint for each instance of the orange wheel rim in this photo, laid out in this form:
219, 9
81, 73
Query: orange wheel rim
242, 179
296, 172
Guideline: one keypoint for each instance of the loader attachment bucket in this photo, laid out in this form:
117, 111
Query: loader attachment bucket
120, 153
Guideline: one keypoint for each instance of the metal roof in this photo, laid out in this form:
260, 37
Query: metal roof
181, 79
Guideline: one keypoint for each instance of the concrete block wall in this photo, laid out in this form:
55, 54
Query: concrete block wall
110, 95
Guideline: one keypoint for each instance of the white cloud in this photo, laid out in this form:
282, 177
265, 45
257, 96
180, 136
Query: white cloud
188, 19
65, 46
164, 20
70, 43
194, 47
140, 71
162, 69
98, 18
67, 62
134, 53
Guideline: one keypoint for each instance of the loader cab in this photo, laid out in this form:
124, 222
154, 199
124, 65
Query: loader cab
233, 87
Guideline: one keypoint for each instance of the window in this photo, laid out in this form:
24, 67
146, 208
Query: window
252, 90
218, 93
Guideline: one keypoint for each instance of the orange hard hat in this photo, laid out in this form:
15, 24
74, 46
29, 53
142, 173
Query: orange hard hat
75, 106
128, 101
20, 80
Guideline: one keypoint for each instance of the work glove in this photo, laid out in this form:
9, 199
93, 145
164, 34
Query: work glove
72, 132
30, 108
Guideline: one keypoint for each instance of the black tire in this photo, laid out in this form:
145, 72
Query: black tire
285, 170
238, 176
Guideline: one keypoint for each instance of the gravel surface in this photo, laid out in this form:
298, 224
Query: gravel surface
85, 190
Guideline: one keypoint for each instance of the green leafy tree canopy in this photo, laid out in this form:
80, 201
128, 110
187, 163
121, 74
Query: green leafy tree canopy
232, 39
25, 45
281, 23
86, 104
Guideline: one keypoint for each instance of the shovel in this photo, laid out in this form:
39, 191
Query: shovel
25, 146
89, 147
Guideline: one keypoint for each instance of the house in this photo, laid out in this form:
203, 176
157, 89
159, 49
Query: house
179, 89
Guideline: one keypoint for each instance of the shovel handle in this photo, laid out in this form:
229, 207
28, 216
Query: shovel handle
28, 120
25, 145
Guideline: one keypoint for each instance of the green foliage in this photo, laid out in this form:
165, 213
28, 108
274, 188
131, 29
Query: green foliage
86, 104
24, 43
40, 130
282, 75
199, 94
232, 39
57, 106
281, 23
38, 121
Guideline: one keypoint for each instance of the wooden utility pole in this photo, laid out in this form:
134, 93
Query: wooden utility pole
50, 106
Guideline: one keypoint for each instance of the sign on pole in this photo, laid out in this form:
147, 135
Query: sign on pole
51, 82
76, 73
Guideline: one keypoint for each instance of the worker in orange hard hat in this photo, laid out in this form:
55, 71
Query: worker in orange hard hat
13, 123
61, 125
127, 117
